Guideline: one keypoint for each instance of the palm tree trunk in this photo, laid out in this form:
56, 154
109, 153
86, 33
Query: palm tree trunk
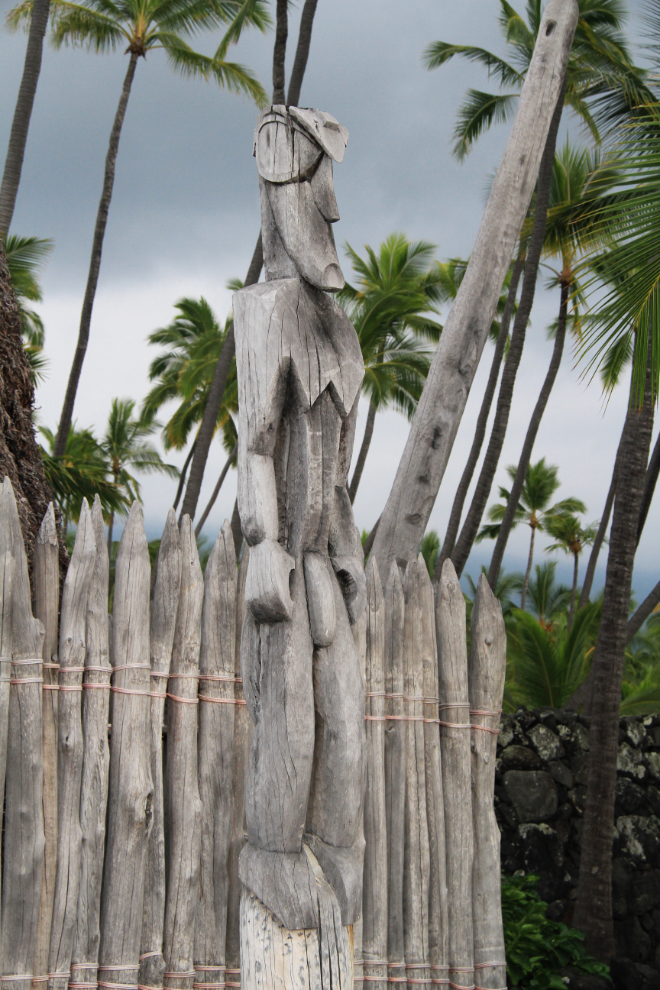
95, 262
482, 422
216, 490
593, 914
530, 558
650, 482
571, 609
636, 621
364, 450
182, 476
279, 51
217, 390
302, 52
532, 430
11, 176
598, 542
110, 528
212, 407
481, 495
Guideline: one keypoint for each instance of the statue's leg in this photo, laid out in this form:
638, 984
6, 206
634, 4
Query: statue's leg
276, 662
339, 776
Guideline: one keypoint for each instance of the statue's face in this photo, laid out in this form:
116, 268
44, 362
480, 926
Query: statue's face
294, 151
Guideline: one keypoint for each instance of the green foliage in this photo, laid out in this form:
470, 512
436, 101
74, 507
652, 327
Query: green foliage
429, 549
26, 256
125, 445
640, 690
538, 949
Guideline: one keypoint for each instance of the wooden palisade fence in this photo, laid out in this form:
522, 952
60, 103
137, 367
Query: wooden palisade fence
123, 746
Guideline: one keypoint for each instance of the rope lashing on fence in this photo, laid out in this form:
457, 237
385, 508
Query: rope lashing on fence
233, 972
22, 680
434, 721
219, 968
130, 968
83, 986
221, 701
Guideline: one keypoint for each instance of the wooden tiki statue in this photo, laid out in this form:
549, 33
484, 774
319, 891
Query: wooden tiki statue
300, 371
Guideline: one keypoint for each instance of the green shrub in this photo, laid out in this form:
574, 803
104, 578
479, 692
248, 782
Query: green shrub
537, 949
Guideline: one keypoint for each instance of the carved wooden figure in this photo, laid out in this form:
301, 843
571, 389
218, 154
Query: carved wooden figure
300, 372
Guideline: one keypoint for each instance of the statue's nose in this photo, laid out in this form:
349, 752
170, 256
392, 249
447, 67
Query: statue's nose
333, 280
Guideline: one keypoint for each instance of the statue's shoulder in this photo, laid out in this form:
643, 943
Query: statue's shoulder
265, 308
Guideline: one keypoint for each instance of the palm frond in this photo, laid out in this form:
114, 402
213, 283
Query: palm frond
478, 112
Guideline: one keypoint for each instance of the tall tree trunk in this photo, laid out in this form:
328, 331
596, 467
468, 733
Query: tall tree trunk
20, 457
216, 490
217, 390
650, 482
530, 558
649, 605
182, 477
364, 450
600, 536
482, 422
279, 51
532, 430
11, 176
571, 610
95, 262
501, 421
302, 52
593, 914
214, 399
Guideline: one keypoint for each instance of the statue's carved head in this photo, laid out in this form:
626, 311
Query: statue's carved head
295, 150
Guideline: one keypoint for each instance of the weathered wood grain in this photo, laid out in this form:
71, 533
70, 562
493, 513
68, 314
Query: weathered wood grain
96, 763
46, 608
374, 894
435, 814
360, 640
242, 739
73, 634
395, 766
456, 359
183, 808
131, 790
486, 672
416, 858
164, 608
7, 570
217, 666
23, 823
456, 773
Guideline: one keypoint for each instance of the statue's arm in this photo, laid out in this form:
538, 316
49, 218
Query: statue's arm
344, 540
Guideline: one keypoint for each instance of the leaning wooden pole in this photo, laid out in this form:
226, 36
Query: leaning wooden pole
456, 773
456, 359
46, 609
487, 669
183, 808
24, 822
374, 891
7, 569
217, 679
164, 609
95, 766
395, 768
73, 627
131, 790
416, 857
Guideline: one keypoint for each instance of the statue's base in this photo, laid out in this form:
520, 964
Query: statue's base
275, 958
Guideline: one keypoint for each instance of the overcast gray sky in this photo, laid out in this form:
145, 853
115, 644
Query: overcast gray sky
184, 219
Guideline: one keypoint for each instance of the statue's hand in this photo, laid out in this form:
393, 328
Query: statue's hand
267, 582
350, 575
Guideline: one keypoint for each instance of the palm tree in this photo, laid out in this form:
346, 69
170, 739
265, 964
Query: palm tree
395, 290
126, 446
571, 537
25, 257
533, 508
598, 69
548, 600
184, 372
429, 549
11, 175
143, 25
572, 193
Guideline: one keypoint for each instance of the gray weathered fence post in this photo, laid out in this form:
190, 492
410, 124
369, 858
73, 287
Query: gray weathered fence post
487, 669
217, 666
46, 609
183, 808
7, 569
164, 607
374, 892
24, 822
95, 766
456, 772
416, 860
131, 790
73, 635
